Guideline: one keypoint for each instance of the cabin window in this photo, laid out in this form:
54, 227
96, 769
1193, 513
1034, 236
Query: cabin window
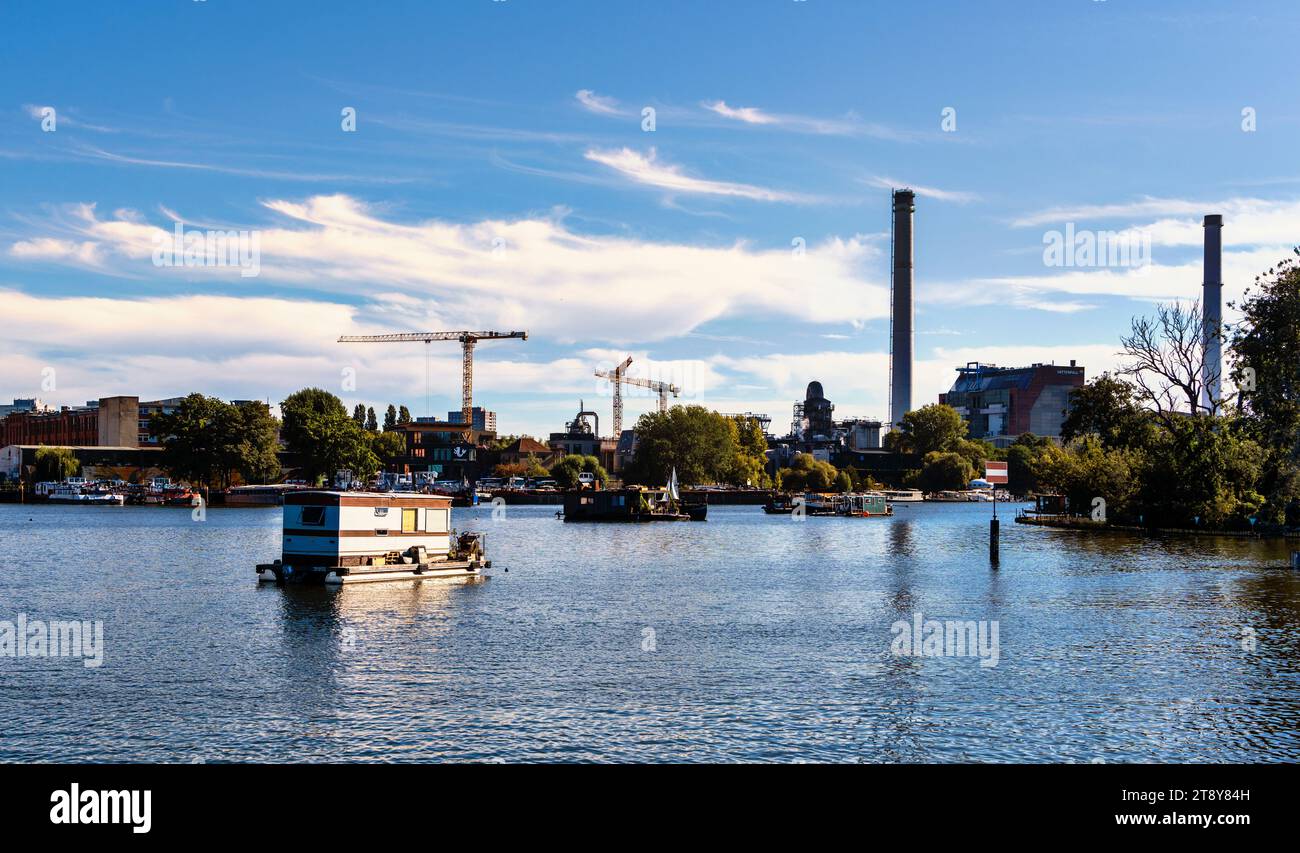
381, 511
381, 532
408, 521
313, 516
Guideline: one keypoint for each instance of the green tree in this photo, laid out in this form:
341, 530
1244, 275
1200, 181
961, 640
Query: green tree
843, 482
207, 441
249, 438
1201, 471
566, 471
1107, 407
534, 468
944, 470
403, 415
359, 414
390, 418
699, 443
977, 451
1087, 471
318, 431
194, 439
1023, 462
371, 423
936, 427
56, 464
749, 462
1266, 372
806, 474
387, 446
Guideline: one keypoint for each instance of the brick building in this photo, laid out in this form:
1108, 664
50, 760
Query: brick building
1002, 403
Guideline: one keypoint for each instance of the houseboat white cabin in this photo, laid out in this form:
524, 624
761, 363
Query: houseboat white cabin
351, 537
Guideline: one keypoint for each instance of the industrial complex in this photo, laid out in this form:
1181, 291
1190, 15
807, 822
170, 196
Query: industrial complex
998, 403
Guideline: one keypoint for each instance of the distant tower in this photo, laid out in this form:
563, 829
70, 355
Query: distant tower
1212, 312
901, 338
818, 412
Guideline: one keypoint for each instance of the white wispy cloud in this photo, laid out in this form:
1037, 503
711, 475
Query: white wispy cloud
647, 169
958, 196
532, 273
323, 177
1141, 207
80, 253
749, 115
600, 104
849, 125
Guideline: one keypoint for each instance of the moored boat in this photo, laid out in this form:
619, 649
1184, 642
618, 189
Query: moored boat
634, 504
337, 538
862, 505
71, 494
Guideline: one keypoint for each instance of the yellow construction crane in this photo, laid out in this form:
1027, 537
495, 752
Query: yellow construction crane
618, 377
467, 342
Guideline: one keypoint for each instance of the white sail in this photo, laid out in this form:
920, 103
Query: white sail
672, 485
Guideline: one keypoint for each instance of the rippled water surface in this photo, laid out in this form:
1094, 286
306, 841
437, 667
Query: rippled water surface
746, 638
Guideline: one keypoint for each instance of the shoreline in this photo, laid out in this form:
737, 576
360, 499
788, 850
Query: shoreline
1060, 523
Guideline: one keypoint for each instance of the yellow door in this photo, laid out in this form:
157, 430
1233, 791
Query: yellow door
408, 521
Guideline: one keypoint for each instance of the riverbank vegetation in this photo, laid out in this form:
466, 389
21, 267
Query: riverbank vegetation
1161, 451
566, 471
208, 442
702, 445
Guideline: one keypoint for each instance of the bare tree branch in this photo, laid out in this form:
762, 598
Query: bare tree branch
1166, 361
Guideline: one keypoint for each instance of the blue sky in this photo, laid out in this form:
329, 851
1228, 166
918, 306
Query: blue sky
501, 176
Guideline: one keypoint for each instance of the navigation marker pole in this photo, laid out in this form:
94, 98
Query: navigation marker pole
995, 473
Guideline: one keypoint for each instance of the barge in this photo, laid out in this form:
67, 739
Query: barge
851, 505
633, 504
335, 538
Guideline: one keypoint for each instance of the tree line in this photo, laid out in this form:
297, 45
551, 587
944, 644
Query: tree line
1160, 449
207, 441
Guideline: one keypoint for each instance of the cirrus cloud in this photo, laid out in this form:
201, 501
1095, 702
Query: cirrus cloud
649, 170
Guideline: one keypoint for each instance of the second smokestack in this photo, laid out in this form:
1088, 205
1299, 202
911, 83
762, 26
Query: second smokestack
1212, 312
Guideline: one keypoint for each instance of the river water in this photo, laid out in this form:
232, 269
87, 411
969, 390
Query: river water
745, 638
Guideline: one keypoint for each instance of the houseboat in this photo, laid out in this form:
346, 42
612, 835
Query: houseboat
852, 505
335, 537
895, 496
779, 504
71, 494
634, 503
862, 505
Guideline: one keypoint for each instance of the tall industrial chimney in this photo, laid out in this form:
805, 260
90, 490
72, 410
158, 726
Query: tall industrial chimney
1212, 312
901, 340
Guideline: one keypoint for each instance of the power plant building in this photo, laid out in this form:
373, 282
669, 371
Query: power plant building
1000, 404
